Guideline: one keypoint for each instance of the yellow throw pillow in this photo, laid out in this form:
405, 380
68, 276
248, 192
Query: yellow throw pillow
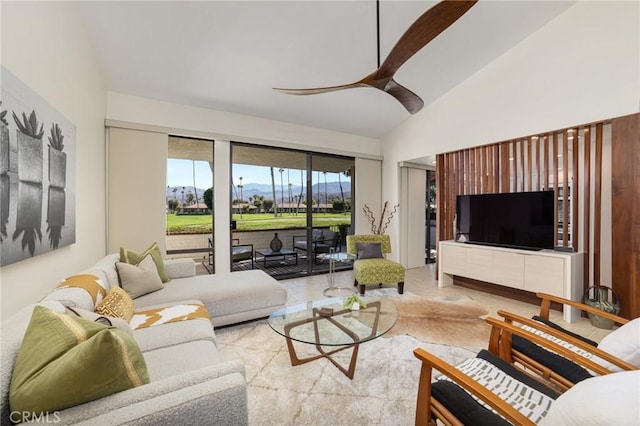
65, 361
135, 258
117, 304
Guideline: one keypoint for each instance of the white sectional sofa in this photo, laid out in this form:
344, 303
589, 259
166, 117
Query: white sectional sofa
190, 381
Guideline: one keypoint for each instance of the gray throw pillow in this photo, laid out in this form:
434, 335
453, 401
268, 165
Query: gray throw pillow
141, 279
369, 250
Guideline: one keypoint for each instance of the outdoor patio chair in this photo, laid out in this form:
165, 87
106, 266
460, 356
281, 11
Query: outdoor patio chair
488, 389
323, 240
371, 267
240, 252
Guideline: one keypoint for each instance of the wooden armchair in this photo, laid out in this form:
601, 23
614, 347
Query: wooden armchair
562, 370
499, 385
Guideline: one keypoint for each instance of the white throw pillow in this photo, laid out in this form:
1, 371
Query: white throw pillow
603, 400
141, 279
623, 343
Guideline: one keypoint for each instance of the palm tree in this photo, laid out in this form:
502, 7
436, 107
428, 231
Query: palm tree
281, 191
318, 209
326, 199
273, 190
301, 189
194, 181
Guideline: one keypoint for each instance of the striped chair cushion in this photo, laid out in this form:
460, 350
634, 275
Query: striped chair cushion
530, 398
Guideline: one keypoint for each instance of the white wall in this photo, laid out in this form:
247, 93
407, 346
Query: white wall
136, 189
581, 67
236, 127
411, 217
45, 45
368, 190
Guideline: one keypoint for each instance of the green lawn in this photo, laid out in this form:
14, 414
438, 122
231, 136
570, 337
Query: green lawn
255, 221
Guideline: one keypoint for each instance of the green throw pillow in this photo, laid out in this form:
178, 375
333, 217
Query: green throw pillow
66, 361
135, 258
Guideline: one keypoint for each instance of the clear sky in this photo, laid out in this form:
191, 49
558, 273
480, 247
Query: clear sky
180, 173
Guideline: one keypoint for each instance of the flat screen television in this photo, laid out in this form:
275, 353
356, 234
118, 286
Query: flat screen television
518, 219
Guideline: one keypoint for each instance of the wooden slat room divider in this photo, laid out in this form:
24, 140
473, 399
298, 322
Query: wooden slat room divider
562, 160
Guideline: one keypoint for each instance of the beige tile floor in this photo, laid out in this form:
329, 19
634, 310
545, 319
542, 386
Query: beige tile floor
422, 282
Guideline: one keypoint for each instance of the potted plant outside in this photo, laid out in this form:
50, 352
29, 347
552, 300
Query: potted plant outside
57, 158
29, 148
604, 299
4, 142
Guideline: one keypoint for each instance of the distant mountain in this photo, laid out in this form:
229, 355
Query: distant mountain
187, 189
264, 189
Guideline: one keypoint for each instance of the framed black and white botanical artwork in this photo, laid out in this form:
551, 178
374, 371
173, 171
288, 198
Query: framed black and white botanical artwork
37, 174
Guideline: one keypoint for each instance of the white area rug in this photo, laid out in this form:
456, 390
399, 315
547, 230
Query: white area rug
382, 392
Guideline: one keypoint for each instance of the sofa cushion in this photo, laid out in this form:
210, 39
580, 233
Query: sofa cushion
66, 360
623, 343
139, 279
604, 400
180, 268
179, 359
132, 257
175, 313
234, 296
117, 304
83, 291
173, 333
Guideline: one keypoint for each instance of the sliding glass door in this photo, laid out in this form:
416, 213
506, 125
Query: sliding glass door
189, 200
331, 193
288, 200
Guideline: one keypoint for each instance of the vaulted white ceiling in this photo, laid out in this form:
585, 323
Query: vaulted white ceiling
228, 55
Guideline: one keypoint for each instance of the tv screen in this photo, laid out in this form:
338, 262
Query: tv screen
517, 219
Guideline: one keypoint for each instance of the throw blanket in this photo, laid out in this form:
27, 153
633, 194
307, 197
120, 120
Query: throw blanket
143, 319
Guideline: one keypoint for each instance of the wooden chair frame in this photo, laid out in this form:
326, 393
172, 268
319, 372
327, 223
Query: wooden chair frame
531, 365
499, 344
545, 306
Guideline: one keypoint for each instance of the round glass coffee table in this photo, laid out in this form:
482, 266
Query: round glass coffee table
325, 323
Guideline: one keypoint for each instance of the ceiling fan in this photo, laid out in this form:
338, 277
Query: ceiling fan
427, 27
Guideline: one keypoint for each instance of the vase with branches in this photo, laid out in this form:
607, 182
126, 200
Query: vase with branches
379, 227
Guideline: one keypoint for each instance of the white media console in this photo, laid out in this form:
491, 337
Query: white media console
547, 271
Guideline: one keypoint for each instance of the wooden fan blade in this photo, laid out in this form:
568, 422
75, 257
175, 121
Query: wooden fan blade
427, 27
406, 97
412, 102
317, 90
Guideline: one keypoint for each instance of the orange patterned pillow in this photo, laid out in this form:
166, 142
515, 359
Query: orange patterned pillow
117, 304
